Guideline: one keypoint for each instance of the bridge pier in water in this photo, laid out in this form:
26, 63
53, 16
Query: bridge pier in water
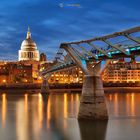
45, 86
92, 104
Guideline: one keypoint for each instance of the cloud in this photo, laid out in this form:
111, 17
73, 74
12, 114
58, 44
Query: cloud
51, 25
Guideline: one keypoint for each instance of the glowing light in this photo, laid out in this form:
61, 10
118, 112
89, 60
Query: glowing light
39, 77
77, 79
4, 81
80, 72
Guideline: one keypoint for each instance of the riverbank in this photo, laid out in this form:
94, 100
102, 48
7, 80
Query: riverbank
59, 88
107, 90
122, 89
38, 86
21, 86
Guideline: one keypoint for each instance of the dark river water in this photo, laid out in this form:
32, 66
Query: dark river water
34, 117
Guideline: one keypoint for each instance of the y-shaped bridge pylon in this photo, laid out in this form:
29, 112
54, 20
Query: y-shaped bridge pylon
92, 104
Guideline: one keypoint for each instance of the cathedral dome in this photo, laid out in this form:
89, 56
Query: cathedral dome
28, 49
28, 43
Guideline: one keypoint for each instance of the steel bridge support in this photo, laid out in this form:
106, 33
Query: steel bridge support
92, 103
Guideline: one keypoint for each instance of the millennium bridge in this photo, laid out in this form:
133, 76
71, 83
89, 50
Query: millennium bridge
93, 56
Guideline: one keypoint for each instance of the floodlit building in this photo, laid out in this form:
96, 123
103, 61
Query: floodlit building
116, 72
15, 72
69, 75
28, 49
43, 57
29, 55
122, 72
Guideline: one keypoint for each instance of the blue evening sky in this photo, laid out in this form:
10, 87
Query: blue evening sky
56, 21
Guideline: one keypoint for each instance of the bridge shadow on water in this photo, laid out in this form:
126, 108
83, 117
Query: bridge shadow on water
93, 130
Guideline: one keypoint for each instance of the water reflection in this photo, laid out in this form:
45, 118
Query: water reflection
40, 110
4, 109
26, 103
21, 120
133, 104
36, 116
48, 111
116, 104
65, 106
123, 104
93, 130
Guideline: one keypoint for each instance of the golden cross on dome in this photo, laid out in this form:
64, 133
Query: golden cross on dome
28, 33
28, 29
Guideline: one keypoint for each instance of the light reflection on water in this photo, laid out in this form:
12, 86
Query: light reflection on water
123, 105
4, 109
36, 117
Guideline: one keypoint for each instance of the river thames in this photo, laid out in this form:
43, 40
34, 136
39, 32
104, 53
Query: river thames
25, 116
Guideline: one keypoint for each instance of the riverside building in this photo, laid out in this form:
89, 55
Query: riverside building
69, 75
116, 72
15, 72
122, 72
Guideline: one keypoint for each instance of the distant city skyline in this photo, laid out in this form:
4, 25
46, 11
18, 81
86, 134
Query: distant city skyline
61, 21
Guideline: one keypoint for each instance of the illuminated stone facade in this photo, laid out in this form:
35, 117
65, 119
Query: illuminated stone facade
70, 75
122, 72
14, 72
35, 69
28, 49
116, 72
